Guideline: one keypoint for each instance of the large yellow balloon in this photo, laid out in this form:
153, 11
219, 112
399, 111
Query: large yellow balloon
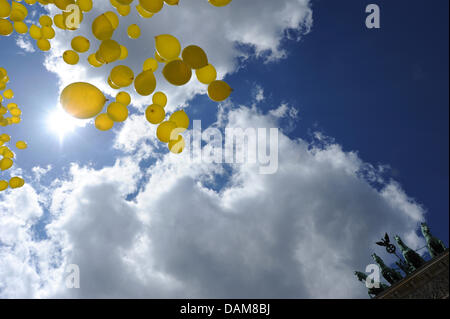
155, 114
5, 9
177, 72
195, 57
145, 83
167, 46
219, 91
82, 100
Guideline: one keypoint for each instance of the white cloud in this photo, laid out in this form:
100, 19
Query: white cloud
25, 44
298, 233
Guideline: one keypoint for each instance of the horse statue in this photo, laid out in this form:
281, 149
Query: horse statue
411, 257
435, 245
388, 273
371, 291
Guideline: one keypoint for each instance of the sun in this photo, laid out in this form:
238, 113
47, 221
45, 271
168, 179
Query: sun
61, 123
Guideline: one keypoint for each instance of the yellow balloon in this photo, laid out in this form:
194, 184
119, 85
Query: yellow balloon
43, 44
109, 50
45, 21
153, 6
219, 3
48, 32
194, 57
124, 10
123, 52
80, 44
155, 114
177, 72
35, 32
103, 122
6, 163
143, 13
20, 27
3, 185
85, 5
168, 46
93, 61
123, 98
177, 146
145, 83
112, 85
150, 64
122, 75
181, 119
82, 100
6, 27
117, 112
71, 57
5, 9
16, 182
159, 98
15, 112
5, 138
113, 18
102, 28
8, 94
21, 145
164, 131
134, 31
219, 91
207, 74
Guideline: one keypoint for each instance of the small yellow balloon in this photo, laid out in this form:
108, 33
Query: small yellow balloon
117, 112
103, 122
123, 98
6, 163
3, 185
21, 145
159, 98
219, 91
134, 32
80, 44
16, 182
71, 57
181, 119
177, 146
155, 114
207, 74
164, 131
122, 76
150, 64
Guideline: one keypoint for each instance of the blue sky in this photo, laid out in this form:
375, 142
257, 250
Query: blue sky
380, 97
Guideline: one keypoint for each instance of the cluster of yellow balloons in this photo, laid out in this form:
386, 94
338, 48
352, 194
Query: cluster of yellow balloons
167, 131
7, 156
85, 101
12, 18
178, 70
